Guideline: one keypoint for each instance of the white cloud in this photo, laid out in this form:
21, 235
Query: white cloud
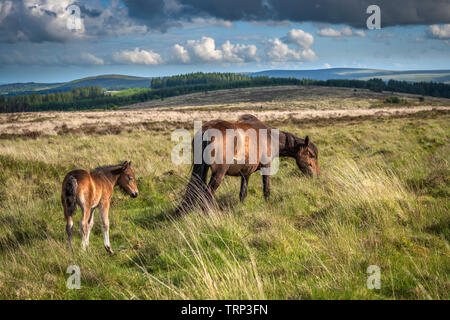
439, 32
344, 32
137, 56
359, 33
88, 58
328, 32
37, 21
300, 37
308, 55
239, 52
81, 59
278, 51
47, 20
205, 51
202, 22
180, 54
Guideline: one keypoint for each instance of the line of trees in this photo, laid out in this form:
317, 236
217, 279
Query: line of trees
95, 97
77, 98
72, 100
434, 89
199, 78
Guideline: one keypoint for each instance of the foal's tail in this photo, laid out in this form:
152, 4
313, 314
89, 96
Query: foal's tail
196, 190
70, 194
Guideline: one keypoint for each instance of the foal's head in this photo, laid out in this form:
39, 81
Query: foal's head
306, 157
126, 179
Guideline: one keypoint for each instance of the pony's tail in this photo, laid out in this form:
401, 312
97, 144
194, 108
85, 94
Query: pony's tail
196, 190
70, 194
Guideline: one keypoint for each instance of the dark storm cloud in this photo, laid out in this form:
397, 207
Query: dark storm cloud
160, 14
349, 12
233, 9
44, 21
93, 13
18, 24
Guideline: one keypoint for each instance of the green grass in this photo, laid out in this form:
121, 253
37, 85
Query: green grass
130, 92
383, 199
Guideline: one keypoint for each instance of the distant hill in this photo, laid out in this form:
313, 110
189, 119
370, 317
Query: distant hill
109, 82
119, 82
361, 74
19, 88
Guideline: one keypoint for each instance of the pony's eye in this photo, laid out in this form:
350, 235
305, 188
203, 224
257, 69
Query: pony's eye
130, 178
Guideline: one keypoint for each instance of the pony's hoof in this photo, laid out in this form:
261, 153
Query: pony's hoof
109, 250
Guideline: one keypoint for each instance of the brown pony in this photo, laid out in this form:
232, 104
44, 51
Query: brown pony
92, 190
303, 151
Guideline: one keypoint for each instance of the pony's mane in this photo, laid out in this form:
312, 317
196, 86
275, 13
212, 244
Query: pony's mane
292, 138
105, 168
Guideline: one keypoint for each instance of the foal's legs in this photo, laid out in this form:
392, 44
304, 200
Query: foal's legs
266, 184
244, 184
84, 227
104, 212
90, 225
69, 228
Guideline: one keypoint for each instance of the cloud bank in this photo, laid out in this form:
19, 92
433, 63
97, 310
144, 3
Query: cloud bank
439, 32
344, 32
45, 20
206, 51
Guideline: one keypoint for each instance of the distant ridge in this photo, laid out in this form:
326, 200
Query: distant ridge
360, 73
109, 82
120, 82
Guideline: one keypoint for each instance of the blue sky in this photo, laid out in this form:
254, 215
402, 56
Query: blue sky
128, 37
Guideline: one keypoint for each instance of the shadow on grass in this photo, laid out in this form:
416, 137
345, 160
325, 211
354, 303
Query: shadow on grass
151, 220
20, 235
226, 201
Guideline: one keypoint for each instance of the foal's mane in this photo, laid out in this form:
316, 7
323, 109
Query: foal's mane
105, 168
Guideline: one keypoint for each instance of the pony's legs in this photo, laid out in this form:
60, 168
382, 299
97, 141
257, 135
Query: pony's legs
104, 214
217, 178
84, 227
90, 225
69, 230
266, 184
244, 184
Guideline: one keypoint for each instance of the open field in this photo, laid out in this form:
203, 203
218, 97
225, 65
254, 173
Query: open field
383, 199
268, 103
288, 98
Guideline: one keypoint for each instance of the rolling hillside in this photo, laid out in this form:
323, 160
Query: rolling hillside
109, 82
361, 74
120, 82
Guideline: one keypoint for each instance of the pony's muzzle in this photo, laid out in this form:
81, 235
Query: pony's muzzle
134, 194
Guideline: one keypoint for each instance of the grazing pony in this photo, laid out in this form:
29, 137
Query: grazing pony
303, 151
92, 190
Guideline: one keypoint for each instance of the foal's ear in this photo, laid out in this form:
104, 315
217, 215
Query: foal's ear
122, 167
306, 141
126, 164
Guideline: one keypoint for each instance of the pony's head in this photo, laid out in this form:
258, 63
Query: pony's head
126, 179
306, 157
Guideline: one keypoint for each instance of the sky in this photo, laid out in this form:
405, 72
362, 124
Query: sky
48, 41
